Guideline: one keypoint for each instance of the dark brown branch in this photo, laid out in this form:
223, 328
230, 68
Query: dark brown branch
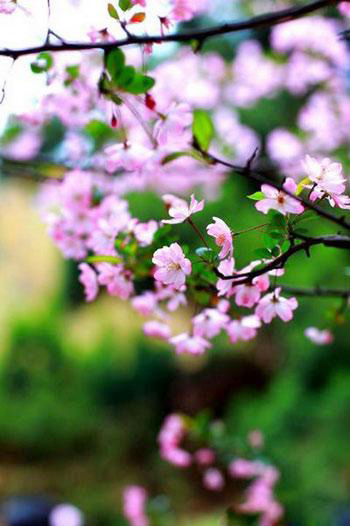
316, 291
342, 242
266, 20
258, 177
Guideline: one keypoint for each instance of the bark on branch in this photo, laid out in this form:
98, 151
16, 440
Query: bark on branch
201, 35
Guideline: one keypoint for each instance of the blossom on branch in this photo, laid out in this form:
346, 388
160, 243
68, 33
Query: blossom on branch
180, 210
221, 232
273, 305
172, 265
278, 200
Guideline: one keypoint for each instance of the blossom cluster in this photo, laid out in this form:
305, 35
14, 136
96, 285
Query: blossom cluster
88, 221
181, 446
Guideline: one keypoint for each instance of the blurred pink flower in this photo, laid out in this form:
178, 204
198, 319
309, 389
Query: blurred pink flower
134, 503
88, 278
318, 336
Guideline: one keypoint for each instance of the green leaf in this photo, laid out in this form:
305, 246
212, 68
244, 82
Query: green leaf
140, 84
115, 62
126, 77
202, 129
262, 253
112, 11
257, 196
42, 63
269, 241
125, 4
103, 259
72, 74
285, 245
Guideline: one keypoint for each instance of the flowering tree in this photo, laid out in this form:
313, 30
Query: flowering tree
126, 119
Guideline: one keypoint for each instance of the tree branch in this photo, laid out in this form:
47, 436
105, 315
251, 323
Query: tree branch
316, 291
342, 242
256, 176
265, 20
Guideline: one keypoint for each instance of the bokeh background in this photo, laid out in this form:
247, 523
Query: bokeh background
83, 393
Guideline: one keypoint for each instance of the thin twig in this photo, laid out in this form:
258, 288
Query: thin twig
341, 242
261, 179
265, 20
316, 291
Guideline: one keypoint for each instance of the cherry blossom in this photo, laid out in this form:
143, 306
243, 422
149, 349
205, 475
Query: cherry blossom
7, 6
134, 504
179, 210
172, 265
88, 278
186, 344
209, 323
116, 280
273, 305
243, 329
222, 235
327, 179
213, 479
156, 329
320, 337
277, 200
170, 436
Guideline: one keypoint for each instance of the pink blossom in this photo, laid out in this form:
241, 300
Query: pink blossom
88, 278
134, 504
204, 456
246, 295
186, 344
243, 329
7, 6
213, 479
224, 286
180, 210
223, 237
172, 265
344, 8
318, 336
326, 176
273, 305
144, 232
209, 323
144, 304
278, 200
142, 3
170, 130
116, 280
170, 436
243, 468
156, 329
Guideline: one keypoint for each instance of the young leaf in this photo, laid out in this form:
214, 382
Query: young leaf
262, 253
112, 11
202, 129
257, 196
42, 63
103, 259
125, 4
140, 84
115, 61
137, 18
